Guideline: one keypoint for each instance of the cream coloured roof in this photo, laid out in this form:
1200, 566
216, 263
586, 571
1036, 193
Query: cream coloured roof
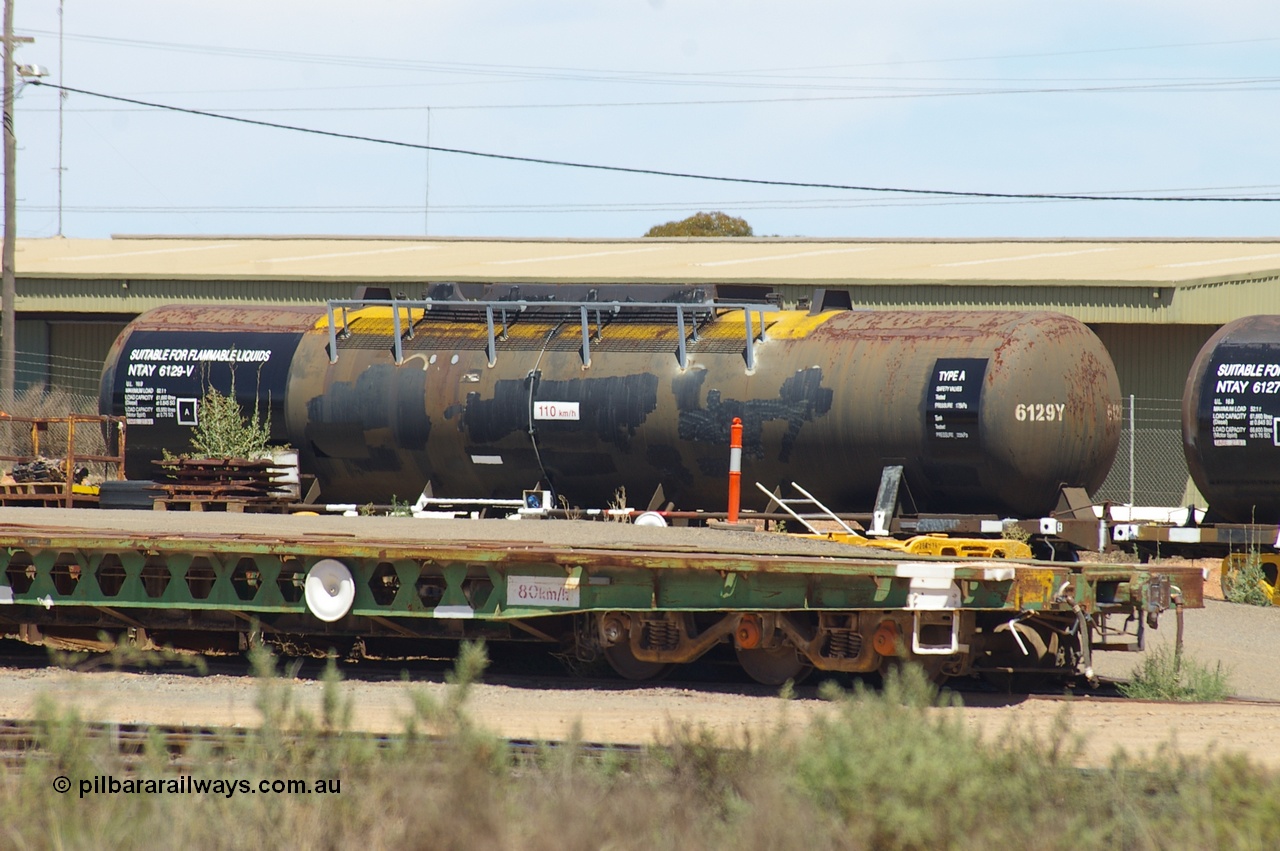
758, 261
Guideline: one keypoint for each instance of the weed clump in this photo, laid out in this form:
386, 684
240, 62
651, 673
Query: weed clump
223, 431
1244, 580
901, 774
1168, 675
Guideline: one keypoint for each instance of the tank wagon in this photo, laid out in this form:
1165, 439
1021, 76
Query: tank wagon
486, 391
1231, 439
1231, 421
585, 390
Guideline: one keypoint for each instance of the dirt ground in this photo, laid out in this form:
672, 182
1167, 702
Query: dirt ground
629, 714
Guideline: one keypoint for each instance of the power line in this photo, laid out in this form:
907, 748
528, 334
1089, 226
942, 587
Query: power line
1197, 80
651, 172
594, 74
566, 207
1189, 86
1042, 55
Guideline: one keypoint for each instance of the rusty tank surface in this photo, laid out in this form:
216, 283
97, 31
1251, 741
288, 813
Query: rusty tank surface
988, 412
1231, 421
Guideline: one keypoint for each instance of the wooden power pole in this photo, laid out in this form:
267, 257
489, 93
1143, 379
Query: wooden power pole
8, 295
8, 291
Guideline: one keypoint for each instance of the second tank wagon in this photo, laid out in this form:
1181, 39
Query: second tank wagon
1231, 421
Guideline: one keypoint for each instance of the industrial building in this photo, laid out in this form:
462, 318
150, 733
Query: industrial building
1153, 302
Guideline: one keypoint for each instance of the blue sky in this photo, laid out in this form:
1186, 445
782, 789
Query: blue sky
1132, 98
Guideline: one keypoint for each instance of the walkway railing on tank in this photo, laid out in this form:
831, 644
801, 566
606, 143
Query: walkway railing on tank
685, 315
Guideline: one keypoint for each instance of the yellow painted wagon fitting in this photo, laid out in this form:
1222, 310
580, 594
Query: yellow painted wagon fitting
1270, 564
941, 545
935, 545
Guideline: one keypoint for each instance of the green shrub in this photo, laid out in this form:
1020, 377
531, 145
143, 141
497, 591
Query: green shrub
899, 773
223, 431
1167, 675
1243, 584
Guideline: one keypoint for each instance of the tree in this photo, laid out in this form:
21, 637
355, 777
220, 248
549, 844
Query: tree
704, 224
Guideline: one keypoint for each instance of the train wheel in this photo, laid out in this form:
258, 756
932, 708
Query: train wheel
1041, 652
627, 666
773, 666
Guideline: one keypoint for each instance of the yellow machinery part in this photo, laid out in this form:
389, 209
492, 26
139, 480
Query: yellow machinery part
940, 545
1270, 564
936, 545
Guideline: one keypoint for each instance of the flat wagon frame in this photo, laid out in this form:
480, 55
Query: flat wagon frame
644, 598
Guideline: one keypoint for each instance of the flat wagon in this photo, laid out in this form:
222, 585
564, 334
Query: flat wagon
641, 598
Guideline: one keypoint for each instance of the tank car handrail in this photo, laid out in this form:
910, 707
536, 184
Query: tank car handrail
582, 308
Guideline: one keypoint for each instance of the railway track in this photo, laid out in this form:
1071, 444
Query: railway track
22, 740
179, 746
525, 667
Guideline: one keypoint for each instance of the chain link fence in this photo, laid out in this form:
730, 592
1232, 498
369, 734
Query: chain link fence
1150, 468
76, 377
54, 387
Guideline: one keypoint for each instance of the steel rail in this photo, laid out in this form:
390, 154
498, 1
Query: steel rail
23, 739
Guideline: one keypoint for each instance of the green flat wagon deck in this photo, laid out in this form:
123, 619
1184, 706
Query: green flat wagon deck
643, 598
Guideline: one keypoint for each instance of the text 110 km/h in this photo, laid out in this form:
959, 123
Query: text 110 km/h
555, 410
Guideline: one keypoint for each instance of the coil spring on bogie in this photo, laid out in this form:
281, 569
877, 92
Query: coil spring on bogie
661, 635
843, 644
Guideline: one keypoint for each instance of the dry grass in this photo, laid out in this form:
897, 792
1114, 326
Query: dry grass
882, 772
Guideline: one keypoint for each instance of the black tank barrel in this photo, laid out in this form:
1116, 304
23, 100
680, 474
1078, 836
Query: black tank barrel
1231, 421
988, 412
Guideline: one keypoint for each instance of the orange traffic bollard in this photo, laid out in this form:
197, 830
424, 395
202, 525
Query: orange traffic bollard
735, 468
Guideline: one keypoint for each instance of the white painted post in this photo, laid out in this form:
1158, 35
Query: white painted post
1132, 430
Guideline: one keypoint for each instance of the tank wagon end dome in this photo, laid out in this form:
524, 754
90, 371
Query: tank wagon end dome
1231, 421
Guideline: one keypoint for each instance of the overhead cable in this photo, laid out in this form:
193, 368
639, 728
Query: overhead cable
652, 172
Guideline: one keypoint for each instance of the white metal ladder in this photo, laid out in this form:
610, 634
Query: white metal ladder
805, 498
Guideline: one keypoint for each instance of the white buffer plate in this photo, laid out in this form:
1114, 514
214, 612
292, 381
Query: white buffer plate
330, 590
